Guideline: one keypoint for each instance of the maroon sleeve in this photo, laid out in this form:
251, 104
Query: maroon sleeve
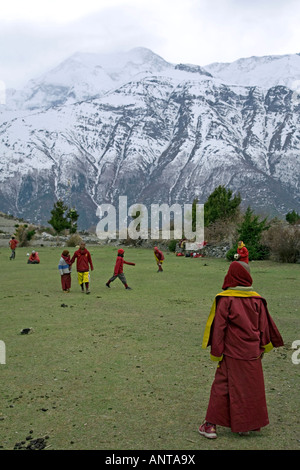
74, 257
268, 330
90, 261
219, 326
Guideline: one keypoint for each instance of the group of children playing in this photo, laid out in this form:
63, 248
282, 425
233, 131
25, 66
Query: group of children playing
239, 330
33, 258
84, 264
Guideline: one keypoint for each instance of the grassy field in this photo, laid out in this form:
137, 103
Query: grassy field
124, 370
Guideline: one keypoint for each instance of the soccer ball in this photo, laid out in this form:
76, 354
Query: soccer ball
236, 256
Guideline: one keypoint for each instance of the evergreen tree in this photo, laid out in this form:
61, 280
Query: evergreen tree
63, 218
250, 232
292, 217
220, 205
72, 216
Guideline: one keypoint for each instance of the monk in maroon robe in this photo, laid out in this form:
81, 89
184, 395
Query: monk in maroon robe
239, 330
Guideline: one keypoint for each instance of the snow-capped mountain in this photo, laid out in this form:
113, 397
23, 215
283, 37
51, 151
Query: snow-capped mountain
85, 75
99, 127
265, 72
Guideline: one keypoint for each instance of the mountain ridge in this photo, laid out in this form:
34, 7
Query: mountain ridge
163, 133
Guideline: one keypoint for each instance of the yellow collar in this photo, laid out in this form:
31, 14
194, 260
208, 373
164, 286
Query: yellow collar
226, 293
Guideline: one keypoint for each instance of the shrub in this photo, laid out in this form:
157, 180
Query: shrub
283, 242
172, 245
230, 253
292, 217
223, 231
74, 240
258, 252
24, 233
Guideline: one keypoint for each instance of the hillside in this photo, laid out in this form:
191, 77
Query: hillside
156, 132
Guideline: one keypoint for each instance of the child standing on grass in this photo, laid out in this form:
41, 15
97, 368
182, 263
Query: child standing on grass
13, 245
239, 330
242, 252
159, 259
118, 271
65, 267
83, 263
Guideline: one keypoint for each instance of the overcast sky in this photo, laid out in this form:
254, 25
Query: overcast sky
36, 35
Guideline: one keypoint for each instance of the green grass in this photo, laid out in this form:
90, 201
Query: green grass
124, 369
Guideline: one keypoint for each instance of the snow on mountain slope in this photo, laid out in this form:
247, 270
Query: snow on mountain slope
160, 134
265, 72
88, 75
83, 76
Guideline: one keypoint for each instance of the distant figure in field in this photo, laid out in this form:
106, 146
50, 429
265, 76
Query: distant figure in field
33, 258
13, 245
159, 256
83, 263
239, 330
242, 253
118, 271
65, 267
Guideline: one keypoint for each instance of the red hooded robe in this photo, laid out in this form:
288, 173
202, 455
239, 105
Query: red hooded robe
239, 329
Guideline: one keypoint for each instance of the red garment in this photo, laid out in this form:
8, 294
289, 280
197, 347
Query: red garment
34, 257
242, 328
67, 259
13, 243
239, 329
244, 254
237, 398
119, 265
237, 275
66, 281
159, 255
84, 260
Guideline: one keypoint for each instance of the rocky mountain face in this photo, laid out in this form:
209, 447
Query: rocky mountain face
100, 127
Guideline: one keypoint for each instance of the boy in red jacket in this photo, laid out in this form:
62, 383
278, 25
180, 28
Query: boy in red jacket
118, 271
13, 245
84, 261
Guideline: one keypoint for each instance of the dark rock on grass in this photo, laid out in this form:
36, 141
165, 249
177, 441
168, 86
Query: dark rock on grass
26, 331
32, 444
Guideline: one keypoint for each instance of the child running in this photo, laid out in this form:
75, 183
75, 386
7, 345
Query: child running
118, 271
84, 261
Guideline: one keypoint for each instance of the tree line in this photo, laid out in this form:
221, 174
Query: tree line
264, 238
